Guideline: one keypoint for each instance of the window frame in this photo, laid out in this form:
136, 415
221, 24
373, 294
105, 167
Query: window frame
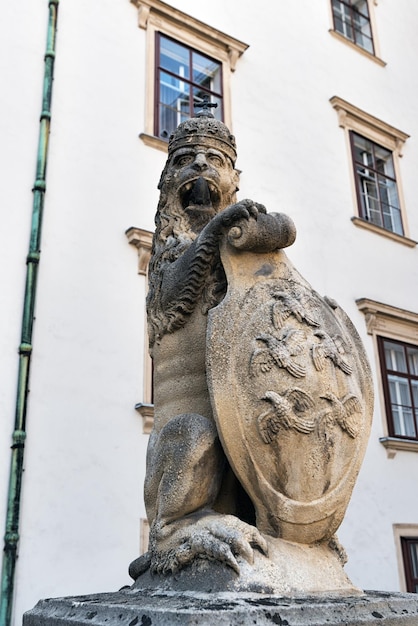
358, 182
411, 581
374, 56
141, 239
155, 15
352, 10
157, 80
385, 373
399, 325
400, 532
353, 119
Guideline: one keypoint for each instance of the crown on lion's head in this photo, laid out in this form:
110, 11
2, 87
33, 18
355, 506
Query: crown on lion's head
203, 129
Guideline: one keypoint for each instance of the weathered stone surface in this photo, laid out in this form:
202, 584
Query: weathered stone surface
291, 393
157, 608
262, 390
289, 569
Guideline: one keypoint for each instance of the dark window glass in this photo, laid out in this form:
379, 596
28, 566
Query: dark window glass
376, 184
410, 559
399, 366
352, 19
184, 77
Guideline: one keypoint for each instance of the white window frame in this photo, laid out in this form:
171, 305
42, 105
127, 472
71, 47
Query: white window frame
384, 320
141, 239
351, 118
376, 57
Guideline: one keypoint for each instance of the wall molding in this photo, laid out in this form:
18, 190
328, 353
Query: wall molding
142, 240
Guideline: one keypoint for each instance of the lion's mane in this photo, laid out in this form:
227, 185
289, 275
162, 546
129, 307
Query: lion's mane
204, 284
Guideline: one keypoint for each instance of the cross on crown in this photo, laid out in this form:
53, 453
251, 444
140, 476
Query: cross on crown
205, 105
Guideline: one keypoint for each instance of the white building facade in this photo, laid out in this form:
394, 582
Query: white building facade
321, 97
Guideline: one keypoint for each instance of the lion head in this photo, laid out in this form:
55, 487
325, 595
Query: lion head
198, 181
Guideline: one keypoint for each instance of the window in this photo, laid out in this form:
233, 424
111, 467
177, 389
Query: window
395, 335
143, 535
376, 149
352, 20
186, 61
376, 184
399, 367
142, 240
410, 561
406, 544
184, 77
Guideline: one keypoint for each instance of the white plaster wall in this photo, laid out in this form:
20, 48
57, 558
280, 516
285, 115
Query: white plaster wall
22, 45
18, 122
85, 451
84, 464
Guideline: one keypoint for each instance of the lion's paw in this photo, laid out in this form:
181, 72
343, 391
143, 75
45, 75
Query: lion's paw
204, 536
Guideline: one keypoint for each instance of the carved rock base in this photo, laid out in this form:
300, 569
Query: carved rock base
156, 608
290, 569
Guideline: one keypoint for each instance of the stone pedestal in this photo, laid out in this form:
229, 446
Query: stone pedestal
157, 608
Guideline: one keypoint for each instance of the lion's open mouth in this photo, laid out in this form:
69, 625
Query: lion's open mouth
199, 196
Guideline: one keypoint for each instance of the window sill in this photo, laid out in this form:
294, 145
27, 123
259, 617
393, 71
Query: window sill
393, 444
358, 221
351, 44
146, 411
154, 142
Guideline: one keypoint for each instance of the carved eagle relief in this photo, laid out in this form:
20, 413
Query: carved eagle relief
294, 303
345, 411
287, 411
332, 348
279, 352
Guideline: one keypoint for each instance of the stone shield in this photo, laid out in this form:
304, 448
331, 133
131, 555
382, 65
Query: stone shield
291, 392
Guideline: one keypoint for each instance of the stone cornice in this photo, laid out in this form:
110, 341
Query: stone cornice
142, 240
384, 318
357, 119
150, 9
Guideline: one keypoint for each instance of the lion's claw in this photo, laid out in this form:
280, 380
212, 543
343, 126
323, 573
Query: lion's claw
206, 535
233, 214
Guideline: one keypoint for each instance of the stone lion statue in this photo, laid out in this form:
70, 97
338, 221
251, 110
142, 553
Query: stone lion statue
200, 507
187, 472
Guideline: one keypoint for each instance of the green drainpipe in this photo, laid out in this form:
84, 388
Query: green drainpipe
11, 537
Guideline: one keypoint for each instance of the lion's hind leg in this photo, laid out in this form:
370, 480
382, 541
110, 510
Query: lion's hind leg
185, 468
